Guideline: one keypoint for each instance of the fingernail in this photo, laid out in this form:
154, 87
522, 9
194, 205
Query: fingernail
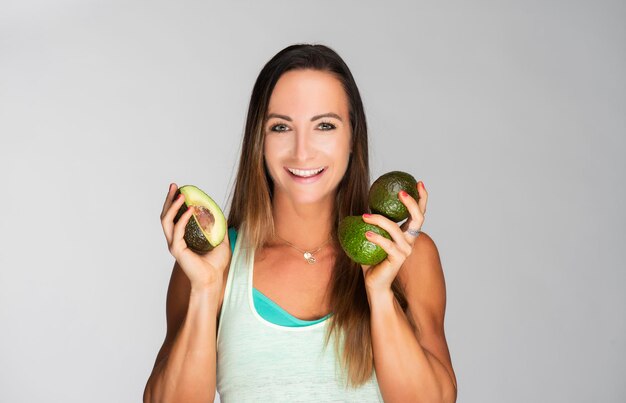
367, 215
180, 196
423, 187
403, 193
369, 234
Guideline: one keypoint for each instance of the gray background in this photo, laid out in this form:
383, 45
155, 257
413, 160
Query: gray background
511, 112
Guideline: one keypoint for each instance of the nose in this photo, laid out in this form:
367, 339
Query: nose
303, 148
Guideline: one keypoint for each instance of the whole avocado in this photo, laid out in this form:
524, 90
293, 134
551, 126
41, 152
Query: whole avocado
383, 194
353, 241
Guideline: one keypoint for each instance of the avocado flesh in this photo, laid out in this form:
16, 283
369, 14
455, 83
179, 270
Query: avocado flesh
383, 195
351, 233
207, 227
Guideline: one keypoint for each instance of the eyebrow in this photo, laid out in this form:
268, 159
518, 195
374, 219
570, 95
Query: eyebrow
323, 115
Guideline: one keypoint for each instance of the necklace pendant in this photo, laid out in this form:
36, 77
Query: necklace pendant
309, 257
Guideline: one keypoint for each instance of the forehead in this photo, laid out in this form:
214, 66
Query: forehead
308, 92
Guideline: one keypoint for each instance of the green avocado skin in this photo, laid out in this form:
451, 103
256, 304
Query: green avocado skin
383, 195
195, 239
351, 233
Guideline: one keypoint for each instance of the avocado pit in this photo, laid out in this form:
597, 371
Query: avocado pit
205, 218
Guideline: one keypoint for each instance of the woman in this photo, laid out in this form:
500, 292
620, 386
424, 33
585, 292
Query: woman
299, 321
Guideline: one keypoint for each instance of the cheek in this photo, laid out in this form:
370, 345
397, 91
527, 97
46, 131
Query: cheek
343, 166
269, 158
341, 153
271, 151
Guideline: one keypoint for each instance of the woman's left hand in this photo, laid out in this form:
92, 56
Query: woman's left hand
380, 276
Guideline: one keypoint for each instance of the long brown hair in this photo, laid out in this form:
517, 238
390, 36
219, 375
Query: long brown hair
251, 207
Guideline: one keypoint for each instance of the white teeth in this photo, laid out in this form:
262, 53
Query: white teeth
305, 173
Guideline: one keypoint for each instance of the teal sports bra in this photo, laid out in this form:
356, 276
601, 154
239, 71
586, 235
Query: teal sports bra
268, 309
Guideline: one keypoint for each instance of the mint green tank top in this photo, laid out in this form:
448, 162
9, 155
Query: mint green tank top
268, 309
261, 361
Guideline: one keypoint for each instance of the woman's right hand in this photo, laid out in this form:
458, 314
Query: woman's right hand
205, 272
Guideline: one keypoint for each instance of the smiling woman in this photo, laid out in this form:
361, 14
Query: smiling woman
295, 318
307, 153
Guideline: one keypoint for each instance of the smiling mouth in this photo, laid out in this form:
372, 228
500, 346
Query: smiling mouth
305, 173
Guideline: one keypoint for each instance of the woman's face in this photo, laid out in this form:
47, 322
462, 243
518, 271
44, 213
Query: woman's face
307, 135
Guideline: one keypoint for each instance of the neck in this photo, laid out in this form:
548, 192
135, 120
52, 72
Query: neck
307, 226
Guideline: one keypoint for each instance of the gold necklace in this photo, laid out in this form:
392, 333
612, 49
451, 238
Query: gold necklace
308, 255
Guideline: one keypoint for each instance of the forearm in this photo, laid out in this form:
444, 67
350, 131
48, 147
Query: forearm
406, 372
188, 374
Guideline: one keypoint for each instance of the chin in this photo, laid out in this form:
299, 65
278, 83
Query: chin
312, 195
308, 197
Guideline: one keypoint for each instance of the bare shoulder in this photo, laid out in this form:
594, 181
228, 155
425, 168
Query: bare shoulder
423, 280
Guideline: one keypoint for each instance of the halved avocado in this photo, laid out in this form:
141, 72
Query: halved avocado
207, 226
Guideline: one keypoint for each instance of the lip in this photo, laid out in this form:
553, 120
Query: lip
310, 179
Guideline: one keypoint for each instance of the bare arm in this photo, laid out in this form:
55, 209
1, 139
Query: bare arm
184, 370
414, 365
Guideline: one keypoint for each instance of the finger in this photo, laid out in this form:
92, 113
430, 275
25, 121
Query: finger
411, 204
416, 217
221, 251
168, 219
178, 241
169, 199
394, 255
421, 190
392, 228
